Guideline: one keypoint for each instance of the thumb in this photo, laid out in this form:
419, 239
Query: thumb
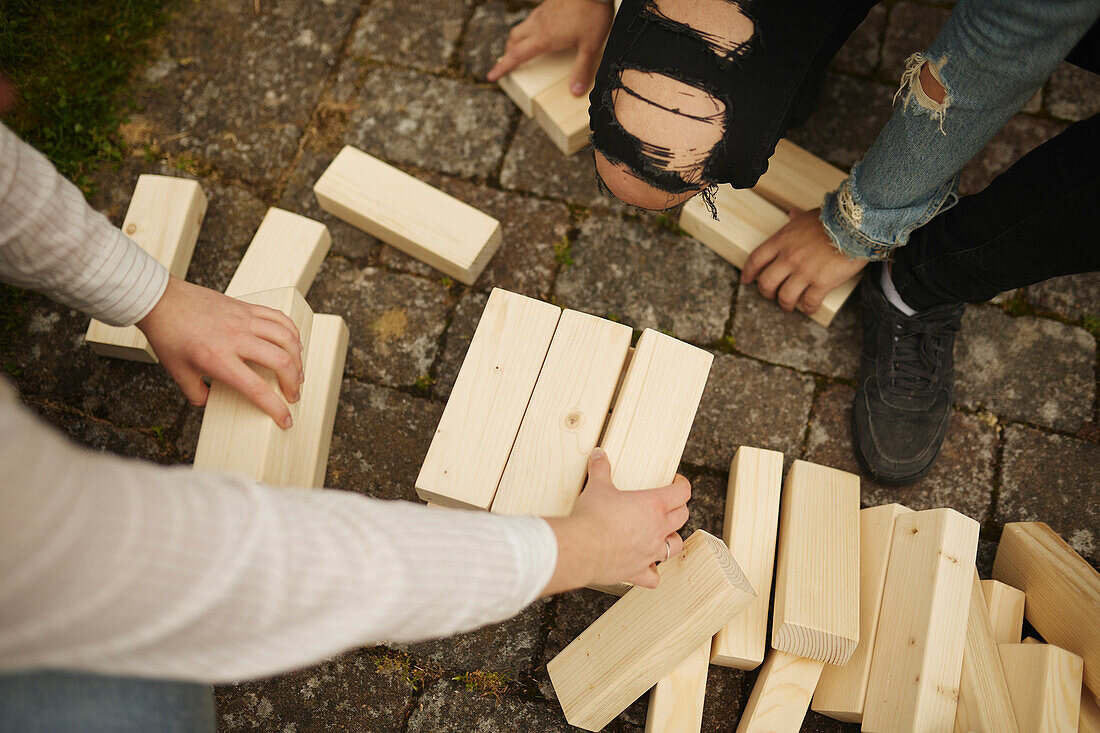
584, 71
191, 384
599, 467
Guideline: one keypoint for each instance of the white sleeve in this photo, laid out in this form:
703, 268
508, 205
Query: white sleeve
52, 241
121, 567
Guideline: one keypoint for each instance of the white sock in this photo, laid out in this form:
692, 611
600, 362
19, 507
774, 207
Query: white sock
892, 293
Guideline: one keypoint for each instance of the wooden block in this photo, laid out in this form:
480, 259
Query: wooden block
533, 77
676, 703
324, 370
984, 702
751, 525
548, 463
816, 613
917, 659
745, 221
479, 425
238, 437
1062, 591
797, 179
287, 249
1006, 611
1044, 682
1089, 722
647, 633
164, 219
402, 211
563, 117
842, 690
781, 694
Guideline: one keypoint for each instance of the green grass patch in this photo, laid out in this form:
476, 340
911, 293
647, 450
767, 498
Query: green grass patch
491, 684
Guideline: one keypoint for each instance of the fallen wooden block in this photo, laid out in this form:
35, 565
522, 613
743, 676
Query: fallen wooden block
468, 453
797, 179
238, 437
1044, 682
1006, 611
1089, 722
676, 703
917, 660
569, 405
287, 249
1062, 591
164, 219
842, 690
402, 211
751, 525
745, 221
535, 76
647, 633
781, 694
816, 609
563, 117
985, 705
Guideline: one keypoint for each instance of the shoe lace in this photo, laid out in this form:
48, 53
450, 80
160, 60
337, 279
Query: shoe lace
919, 346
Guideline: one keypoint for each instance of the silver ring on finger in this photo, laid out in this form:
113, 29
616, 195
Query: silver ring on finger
668, 551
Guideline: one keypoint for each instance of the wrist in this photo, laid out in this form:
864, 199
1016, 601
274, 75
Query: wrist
574, 568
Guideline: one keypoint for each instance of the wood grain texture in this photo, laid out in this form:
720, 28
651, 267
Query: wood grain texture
745, 221
984, 702
676, 702
1044, 682
917, 660
647, 633
569, 405
164, 218
238, 437
1089, 722
324, 371
816, 608
842, 690
1062, 591
1006, 611
533, 77
563, 117
479, 425
403, 211
797, 179
750, 529
781, 694
287, 249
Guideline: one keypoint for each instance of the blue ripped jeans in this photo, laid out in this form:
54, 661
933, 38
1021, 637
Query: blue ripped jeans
991, 56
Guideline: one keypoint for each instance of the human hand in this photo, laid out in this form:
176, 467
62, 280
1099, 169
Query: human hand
555, 25
614, 536
198, 332
798, 265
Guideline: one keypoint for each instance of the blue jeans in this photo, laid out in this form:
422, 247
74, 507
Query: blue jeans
71, 702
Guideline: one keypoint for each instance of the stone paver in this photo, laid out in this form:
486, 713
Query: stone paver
911, 28
1072, 297
101, 435
847, 119
152, 398
422, 34
233, 214
459, 334
486, 35
1073, 93
707, 508
448, 707
860, 54
1022, 134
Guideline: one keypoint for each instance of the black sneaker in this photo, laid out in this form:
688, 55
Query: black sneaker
906, 384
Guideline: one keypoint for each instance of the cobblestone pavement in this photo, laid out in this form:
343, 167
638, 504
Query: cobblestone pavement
255, 105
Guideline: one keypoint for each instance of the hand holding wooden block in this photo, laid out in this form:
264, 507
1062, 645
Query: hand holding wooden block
781, 694
1044, 682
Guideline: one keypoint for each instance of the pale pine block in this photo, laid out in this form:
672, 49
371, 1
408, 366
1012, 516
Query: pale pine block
797, 179
563, 117
324, 371
468, 453
984, 702
535, 76
1044, 682
816, 611
548, 463
164, 218
781, 694
917, 659
647, 633
1006, 611
750, 528
676, 702
843, 689
287, 249
237, 436
406, 213
1062, 591
1089, 722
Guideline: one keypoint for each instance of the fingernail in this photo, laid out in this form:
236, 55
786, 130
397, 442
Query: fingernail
301, 347
598, 453
301, 377
578, 89
297, 396
288, 422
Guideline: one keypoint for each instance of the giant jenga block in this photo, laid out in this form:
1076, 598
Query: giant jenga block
402, 211
546, 469
1006, 611
535, 76
287, 249
238, 437
984, 702
676, 703
1089, 722
842, 689
1062, 591
563, 116
917, 660
781, 694
647, 633
797, 179
816, 610
1044, 682
751, 525
468, 453
164, 218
